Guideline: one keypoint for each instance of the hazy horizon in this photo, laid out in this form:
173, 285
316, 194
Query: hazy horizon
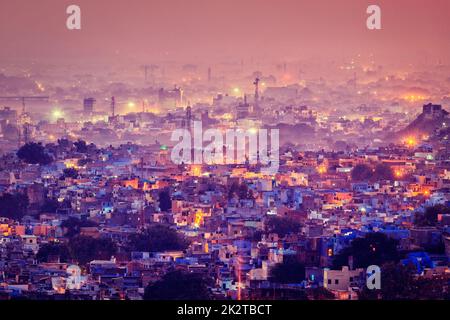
213, 31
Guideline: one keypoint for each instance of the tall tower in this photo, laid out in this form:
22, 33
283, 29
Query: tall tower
209, 74
188, 117
256, 83
113, 106
26, 133
88, 106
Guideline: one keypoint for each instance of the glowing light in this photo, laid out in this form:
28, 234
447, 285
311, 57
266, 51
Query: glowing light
253, 131
321, 169
196, 170
236, 90
40, 86
131, 104
227, 116
57, 113
287, 77
198, 218
411, 142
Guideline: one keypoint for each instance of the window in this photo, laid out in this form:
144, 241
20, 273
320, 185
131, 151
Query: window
329, 281
336, 281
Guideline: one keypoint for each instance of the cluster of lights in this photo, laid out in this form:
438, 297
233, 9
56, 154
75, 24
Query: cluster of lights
198, 219
414, 98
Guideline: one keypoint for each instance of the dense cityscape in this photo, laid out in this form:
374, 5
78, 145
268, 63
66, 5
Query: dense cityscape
93, 205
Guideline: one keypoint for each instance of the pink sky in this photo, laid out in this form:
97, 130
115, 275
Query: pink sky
214, 28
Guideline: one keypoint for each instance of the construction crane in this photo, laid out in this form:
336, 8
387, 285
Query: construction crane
149, 69
25, 98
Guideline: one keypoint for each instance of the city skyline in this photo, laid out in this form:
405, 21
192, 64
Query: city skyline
224, 150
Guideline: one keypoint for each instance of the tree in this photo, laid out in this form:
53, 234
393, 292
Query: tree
65, 144
396, 283
85, 249
165, 202
383, 172
72, 226
244, 192
361, 172
13, 206
53, 250
282, 226
178, 285
399, 282
70, 173
290, 271
241, 191
34, 153
373, 249
430, 217
157, 238
84, 161
81, 146
49, 206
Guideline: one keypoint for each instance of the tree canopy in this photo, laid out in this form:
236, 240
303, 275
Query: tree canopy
72, 226
290, 271
398, 282
13, 205
70, 173
241, 191
81, 146
282, 226
165, 202
157, 237
34, 153
383, 172
52, 250
361, 172
429, 218
373, 249
178, 285
85, 249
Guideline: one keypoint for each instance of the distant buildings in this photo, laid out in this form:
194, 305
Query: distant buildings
88, 106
